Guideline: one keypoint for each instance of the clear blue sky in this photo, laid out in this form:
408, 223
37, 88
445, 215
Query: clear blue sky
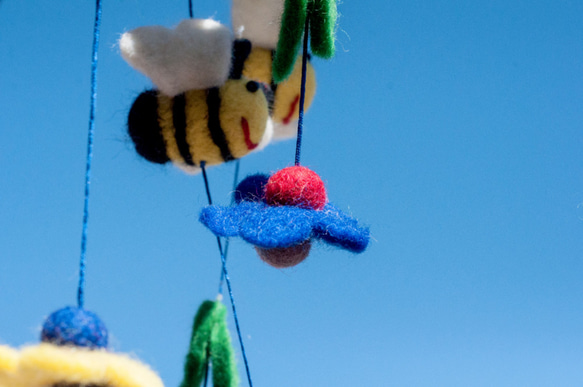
452, 128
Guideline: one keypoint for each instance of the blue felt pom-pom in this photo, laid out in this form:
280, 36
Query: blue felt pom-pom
251, 188
75, 326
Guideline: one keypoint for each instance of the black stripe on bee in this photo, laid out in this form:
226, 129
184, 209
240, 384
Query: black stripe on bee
144, 129
179, 122
213, 100
241, 51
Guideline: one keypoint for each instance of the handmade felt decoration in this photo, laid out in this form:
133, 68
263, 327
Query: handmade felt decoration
210, 344
51, 365
258, 21
75, 326
8, 366
296, 186
72, 353
316, 17
284, 104
292, 212
171, 58
190, 123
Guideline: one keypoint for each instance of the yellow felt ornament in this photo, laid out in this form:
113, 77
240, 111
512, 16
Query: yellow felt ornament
47, 365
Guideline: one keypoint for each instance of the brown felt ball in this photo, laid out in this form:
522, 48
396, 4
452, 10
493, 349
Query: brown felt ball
283, 257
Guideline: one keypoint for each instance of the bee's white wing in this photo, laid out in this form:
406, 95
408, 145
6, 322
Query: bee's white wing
258, 21
194, 55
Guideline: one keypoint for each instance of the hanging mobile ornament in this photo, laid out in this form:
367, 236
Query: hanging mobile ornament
9, 358
281, 214
210, 344
300, 17
259, 22
204, 110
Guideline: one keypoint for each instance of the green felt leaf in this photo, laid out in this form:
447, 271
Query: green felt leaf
223, 359
322, 14
293, 22
210, 340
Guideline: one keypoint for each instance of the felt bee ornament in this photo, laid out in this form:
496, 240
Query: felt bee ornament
282, 214
259, 22
204, 110
73, 353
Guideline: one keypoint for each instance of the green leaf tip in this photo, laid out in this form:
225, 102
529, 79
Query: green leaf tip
210, 341
321, 15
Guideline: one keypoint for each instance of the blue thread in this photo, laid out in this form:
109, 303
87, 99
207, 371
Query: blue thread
81, 287
190, 8
206, 370
302, 92
226, 252
226, 277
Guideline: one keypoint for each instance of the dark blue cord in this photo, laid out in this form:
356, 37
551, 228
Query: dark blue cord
190, 8
81, 288
226, 276
235, 181
302, 91
206, 372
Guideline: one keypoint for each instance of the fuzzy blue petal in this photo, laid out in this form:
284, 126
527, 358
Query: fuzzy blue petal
337, 228
222, 221
272, 227
275, 227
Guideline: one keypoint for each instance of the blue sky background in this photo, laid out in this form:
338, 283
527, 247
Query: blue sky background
452, 128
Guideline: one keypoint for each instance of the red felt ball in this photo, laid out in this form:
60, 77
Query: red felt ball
296, 186
283, 257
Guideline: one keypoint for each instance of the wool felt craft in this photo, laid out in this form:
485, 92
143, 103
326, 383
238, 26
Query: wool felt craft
279, 225
257, 20
73, 353
321, 16
210, 342
284, 104
212, 125
284, 257
171, 58
9, 358
49, 365
75, 326
296, 186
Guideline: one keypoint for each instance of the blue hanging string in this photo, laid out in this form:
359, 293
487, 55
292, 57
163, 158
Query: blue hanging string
81, 287
302, 92
206, 372
227, 280
190, 9
235, 182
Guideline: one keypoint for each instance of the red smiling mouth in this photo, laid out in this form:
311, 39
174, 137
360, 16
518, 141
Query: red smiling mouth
245, 125
292, 109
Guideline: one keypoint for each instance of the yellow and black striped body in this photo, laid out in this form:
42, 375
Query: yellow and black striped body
212, 126
285, 104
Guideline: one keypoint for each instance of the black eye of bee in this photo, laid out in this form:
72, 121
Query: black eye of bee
252, 86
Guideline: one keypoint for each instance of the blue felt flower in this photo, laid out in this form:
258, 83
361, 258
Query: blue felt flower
272, 227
